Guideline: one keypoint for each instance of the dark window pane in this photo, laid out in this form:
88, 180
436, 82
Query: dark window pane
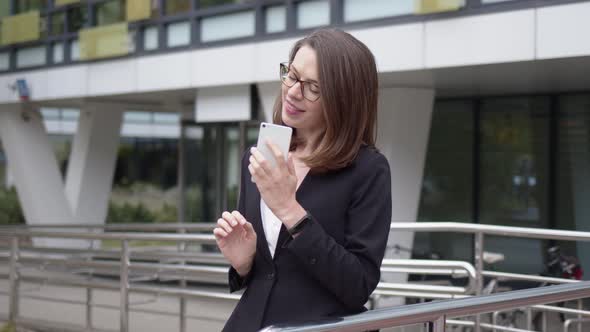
177, 6
110, 12
573, 172
27, 5
514, 176
4, 8
77, 18
211, 3
447, 183
58, 24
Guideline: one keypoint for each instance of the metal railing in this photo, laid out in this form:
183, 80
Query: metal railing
435, 314
176, 265
125, 262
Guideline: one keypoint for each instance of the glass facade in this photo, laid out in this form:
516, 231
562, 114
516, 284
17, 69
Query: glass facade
31, 23
516, 161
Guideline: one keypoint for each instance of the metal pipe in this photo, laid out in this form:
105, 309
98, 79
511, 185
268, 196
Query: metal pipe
478, 251
518, 276
525, 232
14, 280
124, 314
568, 322
416, 314
201, 238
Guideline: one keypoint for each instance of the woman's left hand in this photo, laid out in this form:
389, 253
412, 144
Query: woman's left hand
277, 185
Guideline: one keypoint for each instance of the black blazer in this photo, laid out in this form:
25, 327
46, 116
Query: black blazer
333, 265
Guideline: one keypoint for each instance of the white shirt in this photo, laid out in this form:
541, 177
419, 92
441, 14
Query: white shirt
272, 227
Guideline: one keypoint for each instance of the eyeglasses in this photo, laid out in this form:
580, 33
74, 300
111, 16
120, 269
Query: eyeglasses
309, 90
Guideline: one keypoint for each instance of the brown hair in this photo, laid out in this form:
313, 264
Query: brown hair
349, 90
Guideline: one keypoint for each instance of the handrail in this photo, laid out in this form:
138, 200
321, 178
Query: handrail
202, 238
437, 311
439, 226
525, 232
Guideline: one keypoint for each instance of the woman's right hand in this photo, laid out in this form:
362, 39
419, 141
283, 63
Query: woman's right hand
237, 241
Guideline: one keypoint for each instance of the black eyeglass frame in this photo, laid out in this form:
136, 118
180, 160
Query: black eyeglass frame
286, 66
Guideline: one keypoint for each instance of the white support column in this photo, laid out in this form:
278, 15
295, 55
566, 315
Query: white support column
92, 160
34, 168
268, 92
403, 128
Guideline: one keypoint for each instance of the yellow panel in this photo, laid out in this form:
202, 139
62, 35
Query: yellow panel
21, 28
104, 41
65, 2
138, 10
437, 6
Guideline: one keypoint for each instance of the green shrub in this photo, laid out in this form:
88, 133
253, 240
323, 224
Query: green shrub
10, 210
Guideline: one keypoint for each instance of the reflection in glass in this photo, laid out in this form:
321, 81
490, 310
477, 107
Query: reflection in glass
177, 6
4, 8
312, 14
573, 172
514, 175
58, 24
447, 192
77, 18
28, 5
211, 3
109, 12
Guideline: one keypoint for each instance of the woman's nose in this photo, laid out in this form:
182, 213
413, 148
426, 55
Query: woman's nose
295, 91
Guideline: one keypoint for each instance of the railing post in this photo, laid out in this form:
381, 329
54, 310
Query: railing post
437, 325
580, 307
478, 243
124, 327
14, 280
88, 308
529, 318
182, 248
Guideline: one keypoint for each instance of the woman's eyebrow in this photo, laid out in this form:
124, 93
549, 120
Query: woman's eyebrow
297, 72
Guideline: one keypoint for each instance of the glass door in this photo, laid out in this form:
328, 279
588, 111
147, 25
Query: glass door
210, 173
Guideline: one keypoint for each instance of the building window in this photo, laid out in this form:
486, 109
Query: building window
178, 34
311, 14
77, 18
447, 190
150, 38
228, 26
58, 52
276, 19
212, 3
30, 57
573, 171
28, 5
4, 60
359, 10
177, 6
109, 12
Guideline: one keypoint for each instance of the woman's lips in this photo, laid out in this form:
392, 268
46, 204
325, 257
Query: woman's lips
292, 110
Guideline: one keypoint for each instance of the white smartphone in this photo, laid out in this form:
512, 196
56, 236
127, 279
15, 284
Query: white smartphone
279, 135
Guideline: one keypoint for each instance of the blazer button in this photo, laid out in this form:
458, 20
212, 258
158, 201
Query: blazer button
270, 276
312, 261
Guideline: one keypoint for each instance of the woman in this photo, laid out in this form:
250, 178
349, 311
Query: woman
309, 235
